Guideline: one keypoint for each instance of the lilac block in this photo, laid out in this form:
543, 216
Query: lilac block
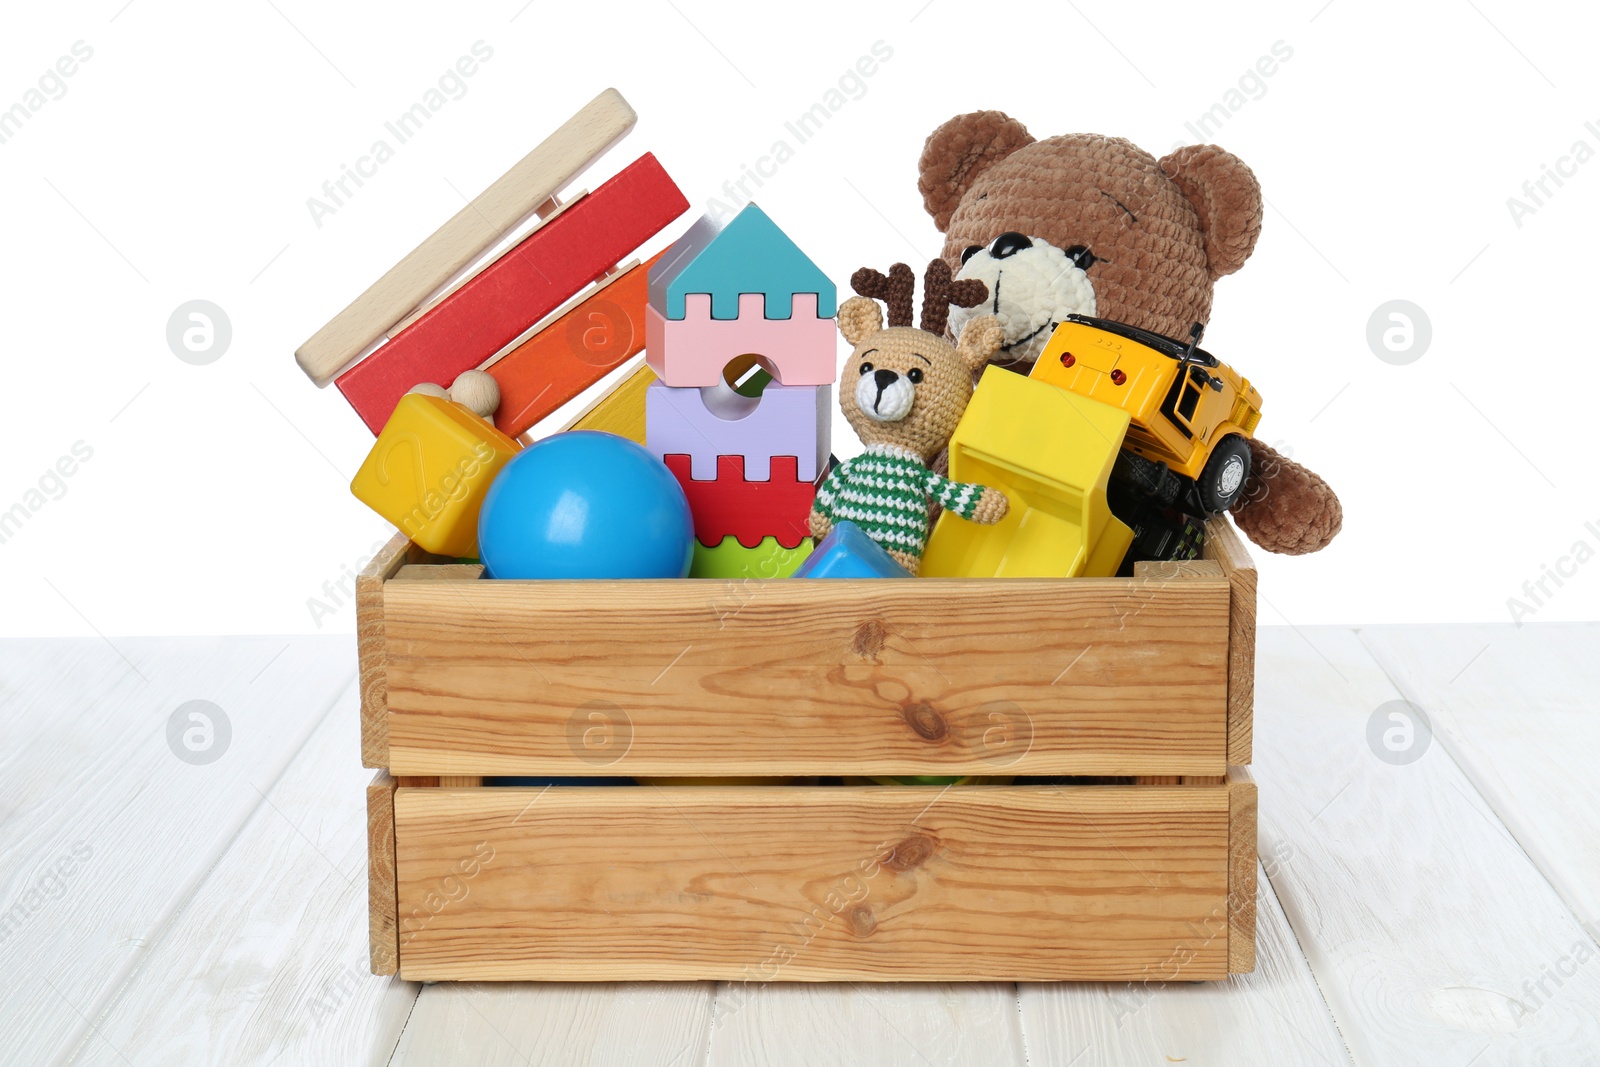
786, 420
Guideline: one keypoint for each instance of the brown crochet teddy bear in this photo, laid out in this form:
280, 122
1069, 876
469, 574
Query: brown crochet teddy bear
903, 391
1092, 225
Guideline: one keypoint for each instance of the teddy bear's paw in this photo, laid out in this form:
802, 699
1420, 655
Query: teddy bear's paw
1285, 507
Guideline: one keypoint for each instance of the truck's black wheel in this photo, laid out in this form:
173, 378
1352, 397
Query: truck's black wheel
1225, 474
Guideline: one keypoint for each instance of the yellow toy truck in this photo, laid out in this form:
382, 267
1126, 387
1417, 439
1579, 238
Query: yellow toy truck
1191, 414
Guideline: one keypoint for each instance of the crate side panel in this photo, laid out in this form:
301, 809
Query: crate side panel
813, 884
1226, 547
396, 554
912, 677
381, 896
1242, 863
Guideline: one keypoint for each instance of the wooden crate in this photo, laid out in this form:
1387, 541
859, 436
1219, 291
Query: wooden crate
1144, 683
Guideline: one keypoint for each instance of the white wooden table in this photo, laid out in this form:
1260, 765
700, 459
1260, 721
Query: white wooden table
1443, 910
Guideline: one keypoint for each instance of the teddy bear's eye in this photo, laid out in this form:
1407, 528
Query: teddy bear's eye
915, 374
866, 368
970, 251
1082, 257
1009, 244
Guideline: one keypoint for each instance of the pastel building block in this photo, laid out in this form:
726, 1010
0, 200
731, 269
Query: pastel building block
696, 349
1050, 452
785, 420
730, 559
678, 255
847, 552
572, 353
513, 293
749, 511
750, 254
429, 470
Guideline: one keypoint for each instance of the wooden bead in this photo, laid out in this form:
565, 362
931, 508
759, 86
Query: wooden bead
430, 389
477, 391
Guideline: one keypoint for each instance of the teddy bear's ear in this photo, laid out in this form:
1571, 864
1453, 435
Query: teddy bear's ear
958, 152
981, 338
1226, 194
859, 318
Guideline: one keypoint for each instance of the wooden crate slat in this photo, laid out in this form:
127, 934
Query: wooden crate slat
813, 884
394, 555
1224, 545
383, 935
438, 572
1095, 676
1242, 863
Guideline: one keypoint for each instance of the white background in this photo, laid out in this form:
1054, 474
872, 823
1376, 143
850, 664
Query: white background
179, 160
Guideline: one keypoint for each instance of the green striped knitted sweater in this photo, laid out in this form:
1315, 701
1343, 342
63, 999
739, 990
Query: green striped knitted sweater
886, 490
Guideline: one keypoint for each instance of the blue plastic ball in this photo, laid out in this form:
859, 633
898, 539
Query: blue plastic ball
585, 504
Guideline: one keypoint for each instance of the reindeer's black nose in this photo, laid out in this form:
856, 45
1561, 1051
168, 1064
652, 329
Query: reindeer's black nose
884, 378
1009, 244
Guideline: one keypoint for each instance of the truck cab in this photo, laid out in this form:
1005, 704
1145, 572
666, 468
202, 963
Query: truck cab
1189, 412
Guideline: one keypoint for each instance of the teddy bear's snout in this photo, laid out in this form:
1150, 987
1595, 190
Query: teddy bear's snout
1033, 286
885, 395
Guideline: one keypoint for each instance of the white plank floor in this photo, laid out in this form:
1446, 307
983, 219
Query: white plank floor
1441, 910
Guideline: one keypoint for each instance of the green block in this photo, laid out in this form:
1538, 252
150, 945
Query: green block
730, 559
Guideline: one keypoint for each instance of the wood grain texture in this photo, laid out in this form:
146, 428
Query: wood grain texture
106, 834
1242, 863
509, 1024
1268, 1018
512, 198
1224, 545
621, 409
812, 884
397, 553
1433, 935
1117, 676
382, 928
265, 961
1515, 708
799, 1024
1167, 569
438, 572
519, 289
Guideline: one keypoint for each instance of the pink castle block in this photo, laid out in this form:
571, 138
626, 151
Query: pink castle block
692, 351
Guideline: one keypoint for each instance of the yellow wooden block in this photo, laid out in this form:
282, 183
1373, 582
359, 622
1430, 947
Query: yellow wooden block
621, 409
429, 470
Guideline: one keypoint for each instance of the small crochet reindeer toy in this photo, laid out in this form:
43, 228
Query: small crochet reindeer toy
910, 389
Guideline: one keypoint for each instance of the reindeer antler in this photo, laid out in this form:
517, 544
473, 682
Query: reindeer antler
939, 293
895, 291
